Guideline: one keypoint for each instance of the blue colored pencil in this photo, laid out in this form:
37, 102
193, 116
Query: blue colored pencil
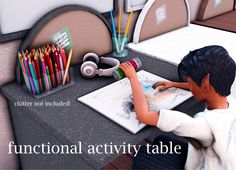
114, 32
33, 74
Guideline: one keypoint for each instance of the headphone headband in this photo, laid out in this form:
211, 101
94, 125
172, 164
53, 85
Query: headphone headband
89, 71
110, 61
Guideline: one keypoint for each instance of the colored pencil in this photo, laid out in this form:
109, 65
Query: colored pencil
126, 31
119, 23
114, 32
63, 54
56, 58
61, 64
113, 24
128, 23
58, 75
54, 61
27, 82
41, 68
26, 52
34, 76
67, 67
29, 75
45, 77
50, 67
49, 79
37, 68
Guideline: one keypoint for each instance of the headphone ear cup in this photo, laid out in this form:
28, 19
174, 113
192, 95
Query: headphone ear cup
91, 57
88, 69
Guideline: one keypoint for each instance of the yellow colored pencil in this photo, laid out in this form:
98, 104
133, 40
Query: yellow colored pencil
119, 23
128, 23
126, 31
67, 67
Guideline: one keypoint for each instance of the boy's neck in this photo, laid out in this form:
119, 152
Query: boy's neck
217, 102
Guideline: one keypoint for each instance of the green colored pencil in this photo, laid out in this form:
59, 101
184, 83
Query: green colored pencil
34, 77
49, 79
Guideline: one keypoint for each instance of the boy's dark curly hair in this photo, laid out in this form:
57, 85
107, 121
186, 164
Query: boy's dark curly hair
213, 60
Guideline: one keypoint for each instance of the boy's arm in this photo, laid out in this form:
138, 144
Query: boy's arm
140, 103
167, 84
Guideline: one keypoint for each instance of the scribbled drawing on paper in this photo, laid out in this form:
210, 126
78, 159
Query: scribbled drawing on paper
128, 107
115, 101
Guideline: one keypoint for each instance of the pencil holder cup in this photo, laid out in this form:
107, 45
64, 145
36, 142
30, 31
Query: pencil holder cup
120, 46
48, 83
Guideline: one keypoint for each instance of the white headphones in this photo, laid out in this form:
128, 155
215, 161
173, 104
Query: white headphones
89, 68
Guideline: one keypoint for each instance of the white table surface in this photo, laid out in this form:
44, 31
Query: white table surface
173, 46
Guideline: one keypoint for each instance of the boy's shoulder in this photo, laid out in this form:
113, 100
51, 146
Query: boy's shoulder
219, 112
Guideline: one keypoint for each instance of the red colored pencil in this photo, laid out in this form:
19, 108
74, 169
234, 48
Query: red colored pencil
63, 54
38, 74
50, 67
58, 75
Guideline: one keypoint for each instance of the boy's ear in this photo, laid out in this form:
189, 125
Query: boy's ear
205, 85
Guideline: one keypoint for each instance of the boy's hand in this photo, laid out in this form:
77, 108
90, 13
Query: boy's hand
165, 84
128, 69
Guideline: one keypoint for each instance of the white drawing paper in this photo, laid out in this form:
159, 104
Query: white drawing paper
115, 101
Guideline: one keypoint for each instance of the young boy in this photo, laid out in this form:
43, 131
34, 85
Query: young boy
209, 73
